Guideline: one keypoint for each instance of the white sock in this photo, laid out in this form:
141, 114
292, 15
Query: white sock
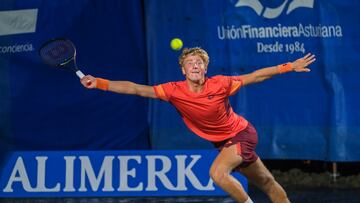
249, 200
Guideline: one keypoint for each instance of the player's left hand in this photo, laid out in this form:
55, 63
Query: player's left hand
300, 65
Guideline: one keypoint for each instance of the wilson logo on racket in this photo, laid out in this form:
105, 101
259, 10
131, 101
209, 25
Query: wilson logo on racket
57, 52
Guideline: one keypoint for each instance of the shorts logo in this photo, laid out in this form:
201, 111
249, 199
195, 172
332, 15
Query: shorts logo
271, 13
18, 21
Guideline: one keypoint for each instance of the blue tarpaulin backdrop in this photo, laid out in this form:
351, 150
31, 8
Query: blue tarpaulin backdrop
298, 115
47, 108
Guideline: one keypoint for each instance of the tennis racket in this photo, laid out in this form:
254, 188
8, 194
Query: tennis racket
60, 53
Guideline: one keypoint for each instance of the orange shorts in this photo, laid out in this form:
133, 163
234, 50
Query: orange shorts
246, 141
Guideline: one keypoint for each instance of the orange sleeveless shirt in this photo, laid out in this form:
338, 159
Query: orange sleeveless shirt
208, 113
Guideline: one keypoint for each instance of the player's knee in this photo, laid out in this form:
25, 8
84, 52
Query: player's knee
268, 181
212, 173
218, 175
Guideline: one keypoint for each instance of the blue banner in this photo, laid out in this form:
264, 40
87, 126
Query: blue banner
109, 173
44, 108
298, 115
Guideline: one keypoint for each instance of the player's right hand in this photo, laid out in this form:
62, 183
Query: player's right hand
88, 81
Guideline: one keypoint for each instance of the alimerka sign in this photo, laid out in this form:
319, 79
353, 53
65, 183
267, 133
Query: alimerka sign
108, 173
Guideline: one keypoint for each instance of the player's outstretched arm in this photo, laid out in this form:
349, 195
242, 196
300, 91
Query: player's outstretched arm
299, 65
121, 87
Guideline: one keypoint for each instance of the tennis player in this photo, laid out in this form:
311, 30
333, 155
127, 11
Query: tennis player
203, 103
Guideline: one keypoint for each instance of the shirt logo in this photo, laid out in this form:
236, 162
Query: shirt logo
272, 13
210, 97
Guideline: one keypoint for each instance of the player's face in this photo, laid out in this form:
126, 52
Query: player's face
194, 68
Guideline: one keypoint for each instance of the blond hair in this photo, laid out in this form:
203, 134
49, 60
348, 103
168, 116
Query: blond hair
194, 51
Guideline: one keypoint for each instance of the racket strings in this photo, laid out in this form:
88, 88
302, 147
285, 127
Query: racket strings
57, 52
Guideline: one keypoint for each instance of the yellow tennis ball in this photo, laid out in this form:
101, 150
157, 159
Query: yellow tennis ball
176, 44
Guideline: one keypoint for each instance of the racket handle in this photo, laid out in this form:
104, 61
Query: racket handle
80, 74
